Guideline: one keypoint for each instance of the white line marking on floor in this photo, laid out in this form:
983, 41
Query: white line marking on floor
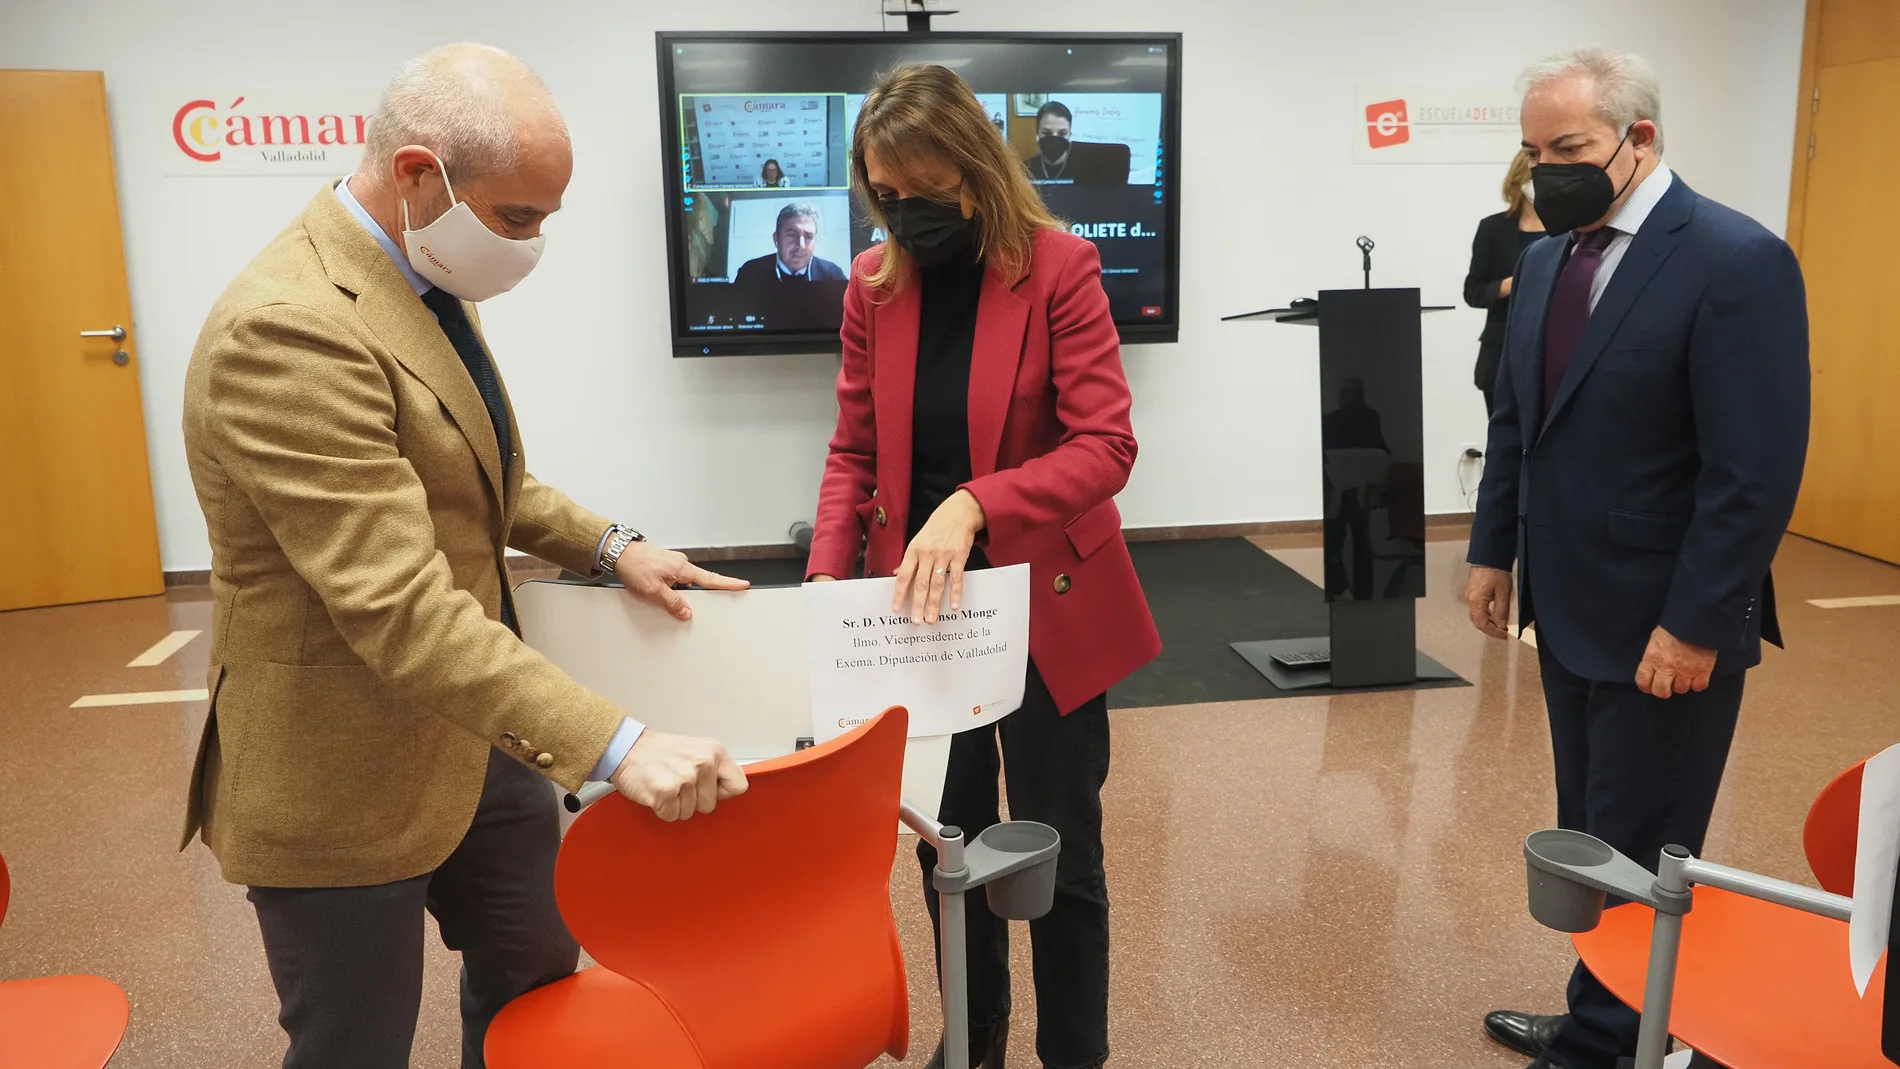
167, 646
1855, 603
152, 697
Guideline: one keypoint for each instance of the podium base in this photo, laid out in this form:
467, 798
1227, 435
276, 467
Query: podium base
1260, 655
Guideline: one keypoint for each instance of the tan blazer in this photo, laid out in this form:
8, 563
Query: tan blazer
358, 509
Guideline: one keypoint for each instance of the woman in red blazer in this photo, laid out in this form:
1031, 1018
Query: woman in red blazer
983, 419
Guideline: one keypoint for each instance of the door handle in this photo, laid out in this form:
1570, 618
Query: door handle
116, 333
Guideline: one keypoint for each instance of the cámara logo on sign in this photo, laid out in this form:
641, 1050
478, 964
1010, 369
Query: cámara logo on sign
203, 130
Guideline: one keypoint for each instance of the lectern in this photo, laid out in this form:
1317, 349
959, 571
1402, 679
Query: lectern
1373, 444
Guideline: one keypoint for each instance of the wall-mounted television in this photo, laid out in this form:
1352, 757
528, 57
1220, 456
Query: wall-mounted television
761, 223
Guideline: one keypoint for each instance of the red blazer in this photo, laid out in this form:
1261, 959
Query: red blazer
1050, 447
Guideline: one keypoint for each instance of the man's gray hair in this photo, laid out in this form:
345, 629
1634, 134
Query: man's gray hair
797, 210
1627, 88
465, 103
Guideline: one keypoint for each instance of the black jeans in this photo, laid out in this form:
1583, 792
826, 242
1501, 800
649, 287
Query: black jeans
1890, 1000
1640, 773
1350, 519
347, 961
1055, 766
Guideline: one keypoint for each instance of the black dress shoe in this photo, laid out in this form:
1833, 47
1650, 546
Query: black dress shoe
1526, 1033
987, 1048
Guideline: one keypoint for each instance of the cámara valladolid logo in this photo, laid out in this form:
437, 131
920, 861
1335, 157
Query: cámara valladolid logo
274, 134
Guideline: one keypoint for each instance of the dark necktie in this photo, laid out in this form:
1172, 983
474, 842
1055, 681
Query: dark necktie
1570, 308
468, 345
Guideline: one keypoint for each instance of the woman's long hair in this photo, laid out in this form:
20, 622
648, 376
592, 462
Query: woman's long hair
1514, 182
917, 115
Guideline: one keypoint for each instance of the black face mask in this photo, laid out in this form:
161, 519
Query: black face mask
1570, 195
1051, 146
931, 231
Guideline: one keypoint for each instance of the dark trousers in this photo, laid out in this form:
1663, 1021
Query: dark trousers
1351, 519
1890, 999
1640, 773
347, 961
1054, 766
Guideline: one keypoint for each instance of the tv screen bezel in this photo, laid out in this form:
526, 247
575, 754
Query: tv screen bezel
1164, 330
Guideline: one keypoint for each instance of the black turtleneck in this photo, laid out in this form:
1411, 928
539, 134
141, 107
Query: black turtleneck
940, 424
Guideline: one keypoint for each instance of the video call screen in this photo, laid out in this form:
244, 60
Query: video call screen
762, 225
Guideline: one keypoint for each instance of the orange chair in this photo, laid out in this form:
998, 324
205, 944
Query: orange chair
1760, 985
59, 1022
1832, 834
760, 935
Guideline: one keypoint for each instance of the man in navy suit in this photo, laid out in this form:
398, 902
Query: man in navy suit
795, 236
1650, 430
778, 288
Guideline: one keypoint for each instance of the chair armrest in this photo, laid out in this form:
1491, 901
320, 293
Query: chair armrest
915, 819
589, 794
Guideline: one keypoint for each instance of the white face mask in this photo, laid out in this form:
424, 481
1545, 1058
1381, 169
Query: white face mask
1530, 194
458, 252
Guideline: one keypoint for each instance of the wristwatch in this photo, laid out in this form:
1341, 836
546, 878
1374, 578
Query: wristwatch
618, 539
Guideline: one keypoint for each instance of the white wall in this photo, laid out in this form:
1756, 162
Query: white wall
709, 452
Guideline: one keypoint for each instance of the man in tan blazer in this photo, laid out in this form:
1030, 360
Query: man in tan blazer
379, 733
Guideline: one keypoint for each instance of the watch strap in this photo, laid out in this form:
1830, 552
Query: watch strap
619, 537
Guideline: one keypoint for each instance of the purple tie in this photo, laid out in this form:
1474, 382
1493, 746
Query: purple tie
1570, 308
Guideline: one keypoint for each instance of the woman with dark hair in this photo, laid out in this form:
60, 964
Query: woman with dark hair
1501, 239
983, 420
771, 175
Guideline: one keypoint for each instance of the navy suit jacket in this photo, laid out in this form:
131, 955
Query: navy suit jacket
1658, 486
763, 271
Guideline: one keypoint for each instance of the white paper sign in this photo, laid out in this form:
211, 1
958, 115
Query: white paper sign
962, 672
1876, 858
736, 673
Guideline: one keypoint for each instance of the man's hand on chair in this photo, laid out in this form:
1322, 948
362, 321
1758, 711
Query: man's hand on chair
654, 574
676, 776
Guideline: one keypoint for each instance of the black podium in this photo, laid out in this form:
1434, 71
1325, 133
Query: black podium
1373, 445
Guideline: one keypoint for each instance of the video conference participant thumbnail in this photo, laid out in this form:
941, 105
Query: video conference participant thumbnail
763, 261
738, 141
1060, 158
794, 257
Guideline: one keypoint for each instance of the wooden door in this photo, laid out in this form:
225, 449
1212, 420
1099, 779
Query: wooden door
1846, 157
76, 516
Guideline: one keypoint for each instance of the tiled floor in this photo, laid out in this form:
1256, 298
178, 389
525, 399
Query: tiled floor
1297, 883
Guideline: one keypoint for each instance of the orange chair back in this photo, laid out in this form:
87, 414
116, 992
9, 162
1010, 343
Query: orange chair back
765, 926
58, 1022
1832, 833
